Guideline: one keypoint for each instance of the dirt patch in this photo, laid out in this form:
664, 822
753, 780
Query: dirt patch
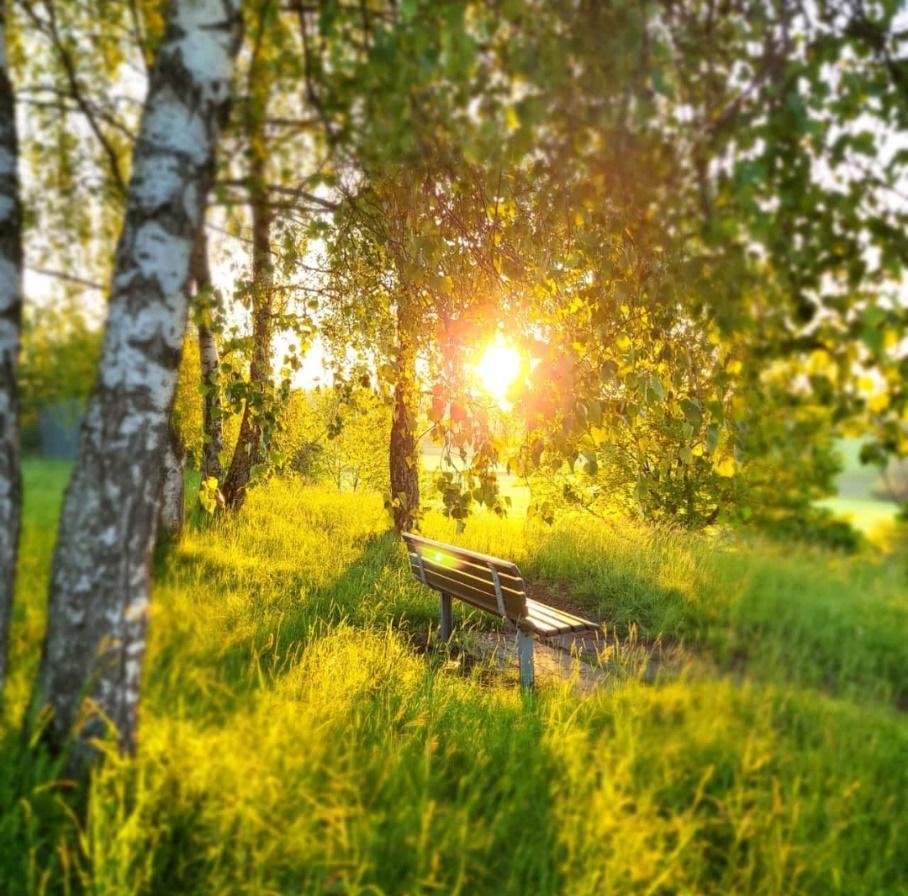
589, 660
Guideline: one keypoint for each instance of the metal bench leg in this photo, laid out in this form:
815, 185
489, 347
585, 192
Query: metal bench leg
446, 620
525, 656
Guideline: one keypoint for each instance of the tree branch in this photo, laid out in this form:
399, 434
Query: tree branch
50, 29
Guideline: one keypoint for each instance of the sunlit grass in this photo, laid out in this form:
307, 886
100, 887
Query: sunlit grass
297, 738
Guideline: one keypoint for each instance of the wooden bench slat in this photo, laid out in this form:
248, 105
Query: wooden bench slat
538, 611
559, 615
564, 622
483, 573
549, 630
483, 559
544, 625
481, 578
462, 592
454, 584
541, 628
460, 587
469, 600
452, 560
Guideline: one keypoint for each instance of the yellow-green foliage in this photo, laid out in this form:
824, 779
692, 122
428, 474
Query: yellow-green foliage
58, 359
296, 739
328, 437
187, 407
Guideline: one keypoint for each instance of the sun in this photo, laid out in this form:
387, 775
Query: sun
497, 370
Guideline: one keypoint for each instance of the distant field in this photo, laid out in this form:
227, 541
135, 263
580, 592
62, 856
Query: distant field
857, 480
868, 516
302, 731
855, 500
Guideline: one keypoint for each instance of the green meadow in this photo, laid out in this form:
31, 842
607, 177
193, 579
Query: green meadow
302, 730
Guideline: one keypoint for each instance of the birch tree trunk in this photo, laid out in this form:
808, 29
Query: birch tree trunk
403, 454
99, 592
209, 359
248, 451
10, 326
172, 513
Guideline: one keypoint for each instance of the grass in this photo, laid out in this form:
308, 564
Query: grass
298, 738
810, 617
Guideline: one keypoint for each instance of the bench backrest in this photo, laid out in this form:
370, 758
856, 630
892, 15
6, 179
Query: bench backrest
486, 582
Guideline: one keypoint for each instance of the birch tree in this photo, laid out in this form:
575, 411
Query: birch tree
248, 451
273, 65
10, 321
209, 360
171, 516
99, 593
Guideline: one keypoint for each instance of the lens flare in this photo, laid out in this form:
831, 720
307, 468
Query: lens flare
497, 370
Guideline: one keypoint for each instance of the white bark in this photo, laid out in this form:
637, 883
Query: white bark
10, 325
172, 514
99, 594
209, 359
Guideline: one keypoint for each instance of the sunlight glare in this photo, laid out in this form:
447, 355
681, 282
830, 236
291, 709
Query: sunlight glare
497, 370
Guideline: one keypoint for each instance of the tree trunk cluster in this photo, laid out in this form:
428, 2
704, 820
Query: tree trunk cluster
99, 594
126, 488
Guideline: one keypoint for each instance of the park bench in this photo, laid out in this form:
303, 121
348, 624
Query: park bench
493, 585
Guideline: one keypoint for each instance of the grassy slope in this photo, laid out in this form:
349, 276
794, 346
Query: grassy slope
295, 739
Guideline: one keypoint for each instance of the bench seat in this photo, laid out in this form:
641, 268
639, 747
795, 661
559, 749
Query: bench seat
549, 622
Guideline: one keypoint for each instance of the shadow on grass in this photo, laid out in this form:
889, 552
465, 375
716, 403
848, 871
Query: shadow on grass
434, 778
374, 591
39, 809
430, 789
277, 623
